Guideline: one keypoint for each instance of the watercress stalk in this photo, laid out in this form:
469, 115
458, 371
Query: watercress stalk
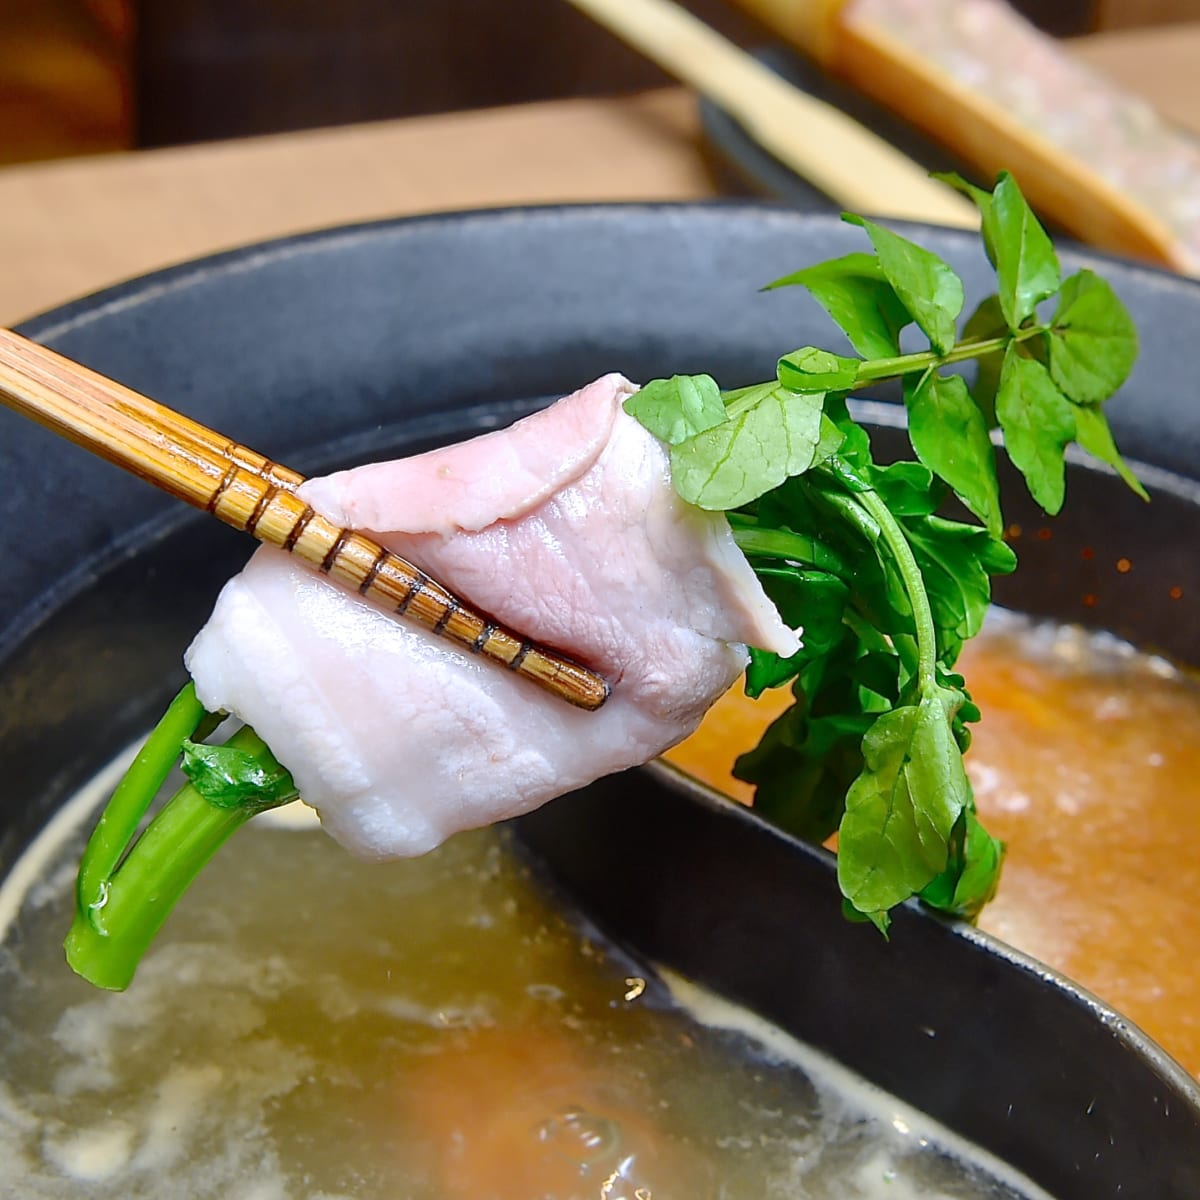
756, 540
914, 584
126, 891
131, 801
966, 350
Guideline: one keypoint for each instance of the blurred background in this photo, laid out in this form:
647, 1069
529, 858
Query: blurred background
88, 76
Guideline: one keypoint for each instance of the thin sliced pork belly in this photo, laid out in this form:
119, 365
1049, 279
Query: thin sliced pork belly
565, 527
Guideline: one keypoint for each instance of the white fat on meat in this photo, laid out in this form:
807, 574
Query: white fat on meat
564, 527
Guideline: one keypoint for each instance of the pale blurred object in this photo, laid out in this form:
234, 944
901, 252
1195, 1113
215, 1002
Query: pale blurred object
64, 78
1097, 160
1157, 63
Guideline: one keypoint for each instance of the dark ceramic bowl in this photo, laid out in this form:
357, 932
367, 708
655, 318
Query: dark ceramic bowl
327, 349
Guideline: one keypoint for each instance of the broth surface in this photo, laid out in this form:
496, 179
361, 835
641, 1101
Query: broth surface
310, 1026
1087, 763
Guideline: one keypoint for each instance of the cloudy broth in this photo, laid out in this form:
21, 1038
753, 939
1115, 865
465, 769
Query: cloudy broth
310, 1027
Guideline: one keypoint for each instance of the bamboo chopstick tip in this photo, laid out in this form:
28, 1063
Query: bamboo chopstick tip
589, 692
568, 680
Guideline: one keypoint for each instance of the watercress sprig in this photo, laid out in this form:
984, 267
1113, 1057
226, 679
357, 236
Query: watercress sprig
886, 589
129, 882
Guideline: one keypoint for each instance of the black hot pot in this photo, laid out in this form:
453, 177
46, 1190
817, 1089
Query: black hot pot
393, 337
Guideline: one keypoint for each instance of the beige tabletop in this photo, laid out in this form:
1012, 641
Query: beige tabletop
68, 228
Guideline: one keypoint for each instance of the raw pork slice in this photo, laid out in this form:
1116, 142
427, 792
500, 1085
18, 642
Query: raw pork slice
565, 527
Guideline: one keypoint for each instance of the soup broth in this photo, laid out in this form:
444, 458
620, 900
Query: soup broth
311, 1027
1087, 764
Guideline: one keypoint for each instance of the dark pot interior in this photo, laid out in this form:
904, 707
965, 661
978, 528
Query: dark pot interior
391, 338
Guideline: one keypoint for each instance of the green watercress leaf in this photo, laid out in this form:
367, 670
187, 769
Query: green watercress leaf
810, 600
849, 547
1092, 342
737, 400
767, 670
909, 489
735, 462
854, 443
230, 777
678, 408
813, 370
1027, 268
925, 283
1094, 435
1038, 422
855, 293
878, 674
900, 812
957, 562
968, 711
972, 872
802, 767
1017, 246
950, 436
880, 590
983, 859
981, 196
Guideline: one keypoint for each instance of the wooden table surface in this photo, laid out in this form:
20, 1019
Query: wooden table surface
71, 227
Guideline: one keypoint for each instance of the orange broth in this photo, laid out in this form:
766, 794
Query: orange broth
1087, 763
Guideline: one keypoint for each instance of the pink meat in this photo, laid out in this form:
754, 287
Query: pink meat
565, 527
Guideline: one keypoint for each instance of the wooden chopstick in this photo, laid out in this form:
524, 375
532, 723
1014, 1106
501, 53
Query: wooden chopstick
250, 492
855, 167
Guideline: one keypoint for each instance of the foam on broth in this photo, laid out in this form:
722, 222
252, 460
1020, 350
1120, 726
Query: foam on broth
310, 1026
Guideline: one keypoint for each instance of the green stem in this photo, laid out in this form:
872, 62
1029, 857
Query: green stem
743, 399
914, 584
128, 905
876, 369
132, 797
766, 542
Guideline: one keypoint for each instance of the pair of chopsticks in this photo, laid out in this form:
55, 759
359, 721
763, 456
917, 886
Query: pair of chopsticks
250, 492
853, 166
